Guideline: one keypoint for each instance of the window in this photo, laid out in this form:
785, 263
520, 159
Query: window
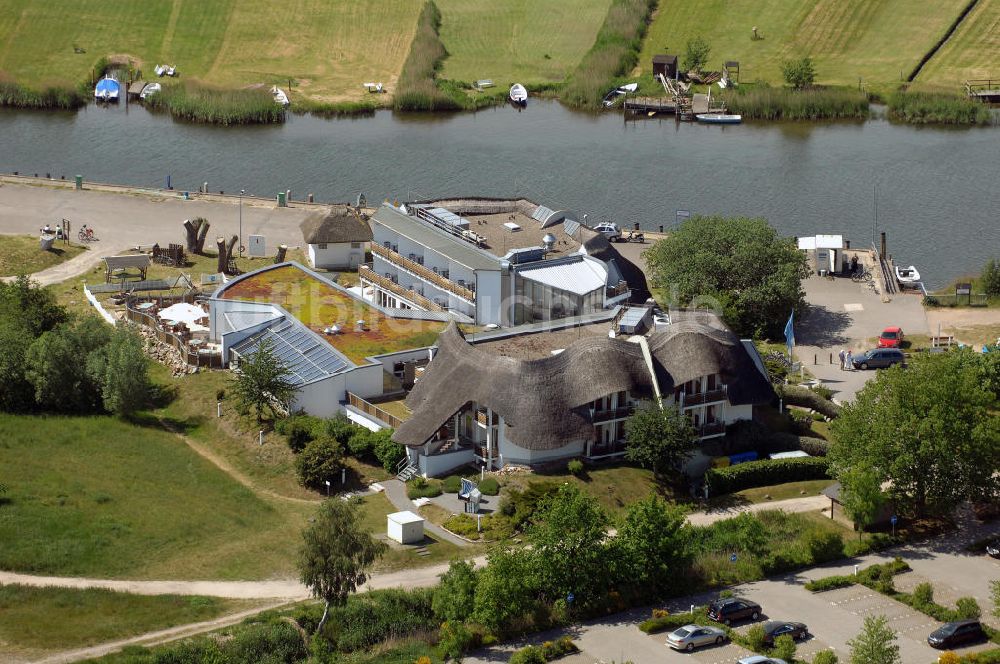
321, 245
355, 245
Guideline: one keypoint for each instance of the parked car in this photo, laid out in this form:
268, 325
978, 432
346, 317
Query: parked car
956, 633
879, 358
733, 609
891, 337
760, 659
690, 637
609, 230
993, 548
775, 628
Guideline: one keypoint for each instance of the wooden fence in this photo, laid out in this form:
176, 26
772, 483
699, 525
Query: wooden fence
193, 356
369, 408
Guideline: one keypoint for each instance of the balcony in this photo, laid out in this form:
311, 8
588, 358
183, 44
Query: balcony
428, 275
366, 273
612, 414
711, 429
718, 395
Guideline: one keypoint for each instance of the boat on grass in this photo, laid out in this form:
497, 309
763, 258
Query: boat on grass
107, 89
611, 97
719, 118
280, 96
907, 275
149, 90
518, 95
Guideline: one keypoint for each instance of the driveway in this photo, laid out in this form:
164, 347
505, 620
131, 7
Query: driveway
845, 315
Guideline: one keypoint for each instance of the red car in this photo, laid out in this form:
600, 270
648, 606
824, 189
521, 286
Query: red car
891, 337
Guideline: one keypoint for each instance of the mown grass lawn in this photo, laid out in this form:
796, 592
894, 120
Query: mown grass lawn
93, 496
876, 40
38, 619
328, 49
782, 491
973, 51
20, 254
524, 41
614, 487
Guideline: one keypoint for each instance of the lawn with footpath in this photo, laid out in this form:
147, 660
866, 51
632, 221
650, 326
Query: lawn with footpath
326, 49
875, 40
20, 254
972, 51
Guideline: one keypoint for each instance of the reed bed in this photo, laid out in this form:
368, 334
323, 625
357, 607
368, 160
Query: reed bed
767, 103
933, 108
54, 97
614, 53
417, 89
334, 109
198, 103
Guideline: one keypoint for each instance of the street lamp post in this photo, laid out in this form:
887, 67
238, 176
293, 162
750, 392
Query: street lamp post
242, 194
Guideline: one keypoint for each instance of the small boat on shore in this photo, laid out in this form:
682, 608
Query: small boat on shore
719, 118
611, 97
107, 89
280, 96
907, 275
518, 95
149, 90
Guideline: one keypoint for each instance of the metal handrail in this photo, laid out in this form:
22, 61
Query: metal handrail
366, 272
423, 272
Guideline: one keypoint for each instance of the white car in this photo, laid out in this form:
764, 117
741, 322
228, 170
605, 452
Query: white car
610, 230
760, 659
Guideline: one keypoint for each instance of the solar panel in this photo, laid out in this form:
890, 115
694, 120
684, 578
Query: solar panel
571, 226
306, 358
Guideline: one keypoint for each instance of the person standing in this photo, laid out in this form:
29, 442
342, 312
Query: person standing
849, 361
842, 355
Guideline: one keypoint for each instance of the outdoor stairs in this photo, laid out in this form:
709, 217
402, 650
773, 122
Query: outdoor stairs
406, 470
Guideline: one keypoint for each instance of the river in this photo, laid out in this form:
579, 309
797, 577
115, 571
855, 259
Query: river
938, 190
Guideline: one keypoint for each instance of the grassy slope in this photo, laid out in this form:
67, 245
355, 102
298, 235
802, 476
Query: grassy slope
330, 47
19, 254
614, 487
63, 618
873, 39
973, 51
508, 41
94, 496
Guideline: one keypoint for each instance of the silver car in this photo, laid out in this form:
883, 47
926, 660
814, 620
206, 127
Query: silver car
690, 637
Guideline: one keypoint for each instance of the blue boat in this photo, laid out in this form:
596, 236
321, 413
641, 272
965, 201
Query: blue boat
107, 89
719, 118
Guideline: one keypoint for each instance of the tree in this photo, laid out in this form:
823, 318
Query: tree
660, 439
739, 265
261, 380
991, 277
569, 532
60, 365
388, 452
125, 382
696, 54
653, 544
862, 497
455, 596
319, 461
336, 554
784, 648
929, 430
825, 657
799, 73
876, 644
507, 589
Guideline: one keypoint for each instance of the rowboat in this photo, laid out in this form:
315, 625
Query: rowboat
518, 95
149, 90
279, 96
719, 118
107, 89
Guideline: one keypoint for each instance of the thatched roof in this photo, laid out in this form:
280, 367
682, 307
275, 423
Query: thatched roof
546, 401
597, 245
339, 224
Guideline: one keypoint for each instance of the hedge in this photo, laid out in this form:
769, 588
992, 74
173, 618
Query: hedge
451, 484
765, 473
489, 487
869, 576
796, 395
663, 621
546, 652
781, 441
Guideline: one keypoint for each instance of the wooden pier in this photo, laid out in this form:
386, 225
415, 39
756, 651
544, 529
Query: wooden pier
984, 89
650, 105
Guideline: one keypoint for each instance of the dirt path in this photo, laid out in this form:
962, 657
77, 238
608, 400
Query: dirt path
793, 505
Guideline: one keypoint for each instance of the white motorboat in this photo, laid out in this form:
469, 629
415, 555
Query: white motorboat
149, 90
107, 89
907, 275
719, 118
279, 96
518, 95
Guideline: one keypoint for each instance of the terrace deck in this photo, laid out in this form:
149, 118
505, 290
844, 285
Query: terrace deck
319, 305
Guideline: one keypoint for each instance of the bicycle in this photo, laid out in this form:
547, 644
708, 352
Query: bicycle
86, 234
861, 275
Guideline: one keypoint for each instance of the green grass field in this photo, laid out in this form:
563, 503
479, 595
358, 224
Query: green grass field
525, 41
20, 254
327, 48
973, 51
95, 496
33, 620
876, 40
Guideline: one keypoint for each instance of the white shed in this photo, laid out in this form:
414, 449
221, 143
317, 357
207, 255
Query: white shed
337, 239
406, 527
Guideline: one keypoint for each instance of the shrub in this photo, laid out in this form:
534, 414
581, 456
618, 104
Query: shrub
799, 74
825, 657
454, 639
764, 473
341, 429
298, 430
451, 484
755, 638
949, 658
696, 54
923, 594
495, 526
883, 581
388, 452
796, 395
361, 444
528, 655
420, 487
830, 583
489, 487
666, 621
319, 461
991, 277
574, 467
784, 648
561, 646
824, 546
967, 608
519, 506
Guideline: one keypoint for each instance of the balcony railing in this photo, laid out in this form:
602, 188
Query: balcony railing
711, 429
371, 409
424, 273
368, 274
613, 413
621, 288
701, 398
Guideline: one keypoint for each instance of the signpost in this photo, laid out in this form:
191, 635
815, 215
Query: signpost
963, 289
733, 558
682, 216
893, 520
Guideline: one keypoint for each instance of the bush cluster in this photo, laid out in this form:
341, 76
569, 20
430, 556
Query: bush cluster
495, 527
489, 487
764, 473
372, 618
420, 487
451, 484
874, 577
265, 638
796, 395
546, 652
